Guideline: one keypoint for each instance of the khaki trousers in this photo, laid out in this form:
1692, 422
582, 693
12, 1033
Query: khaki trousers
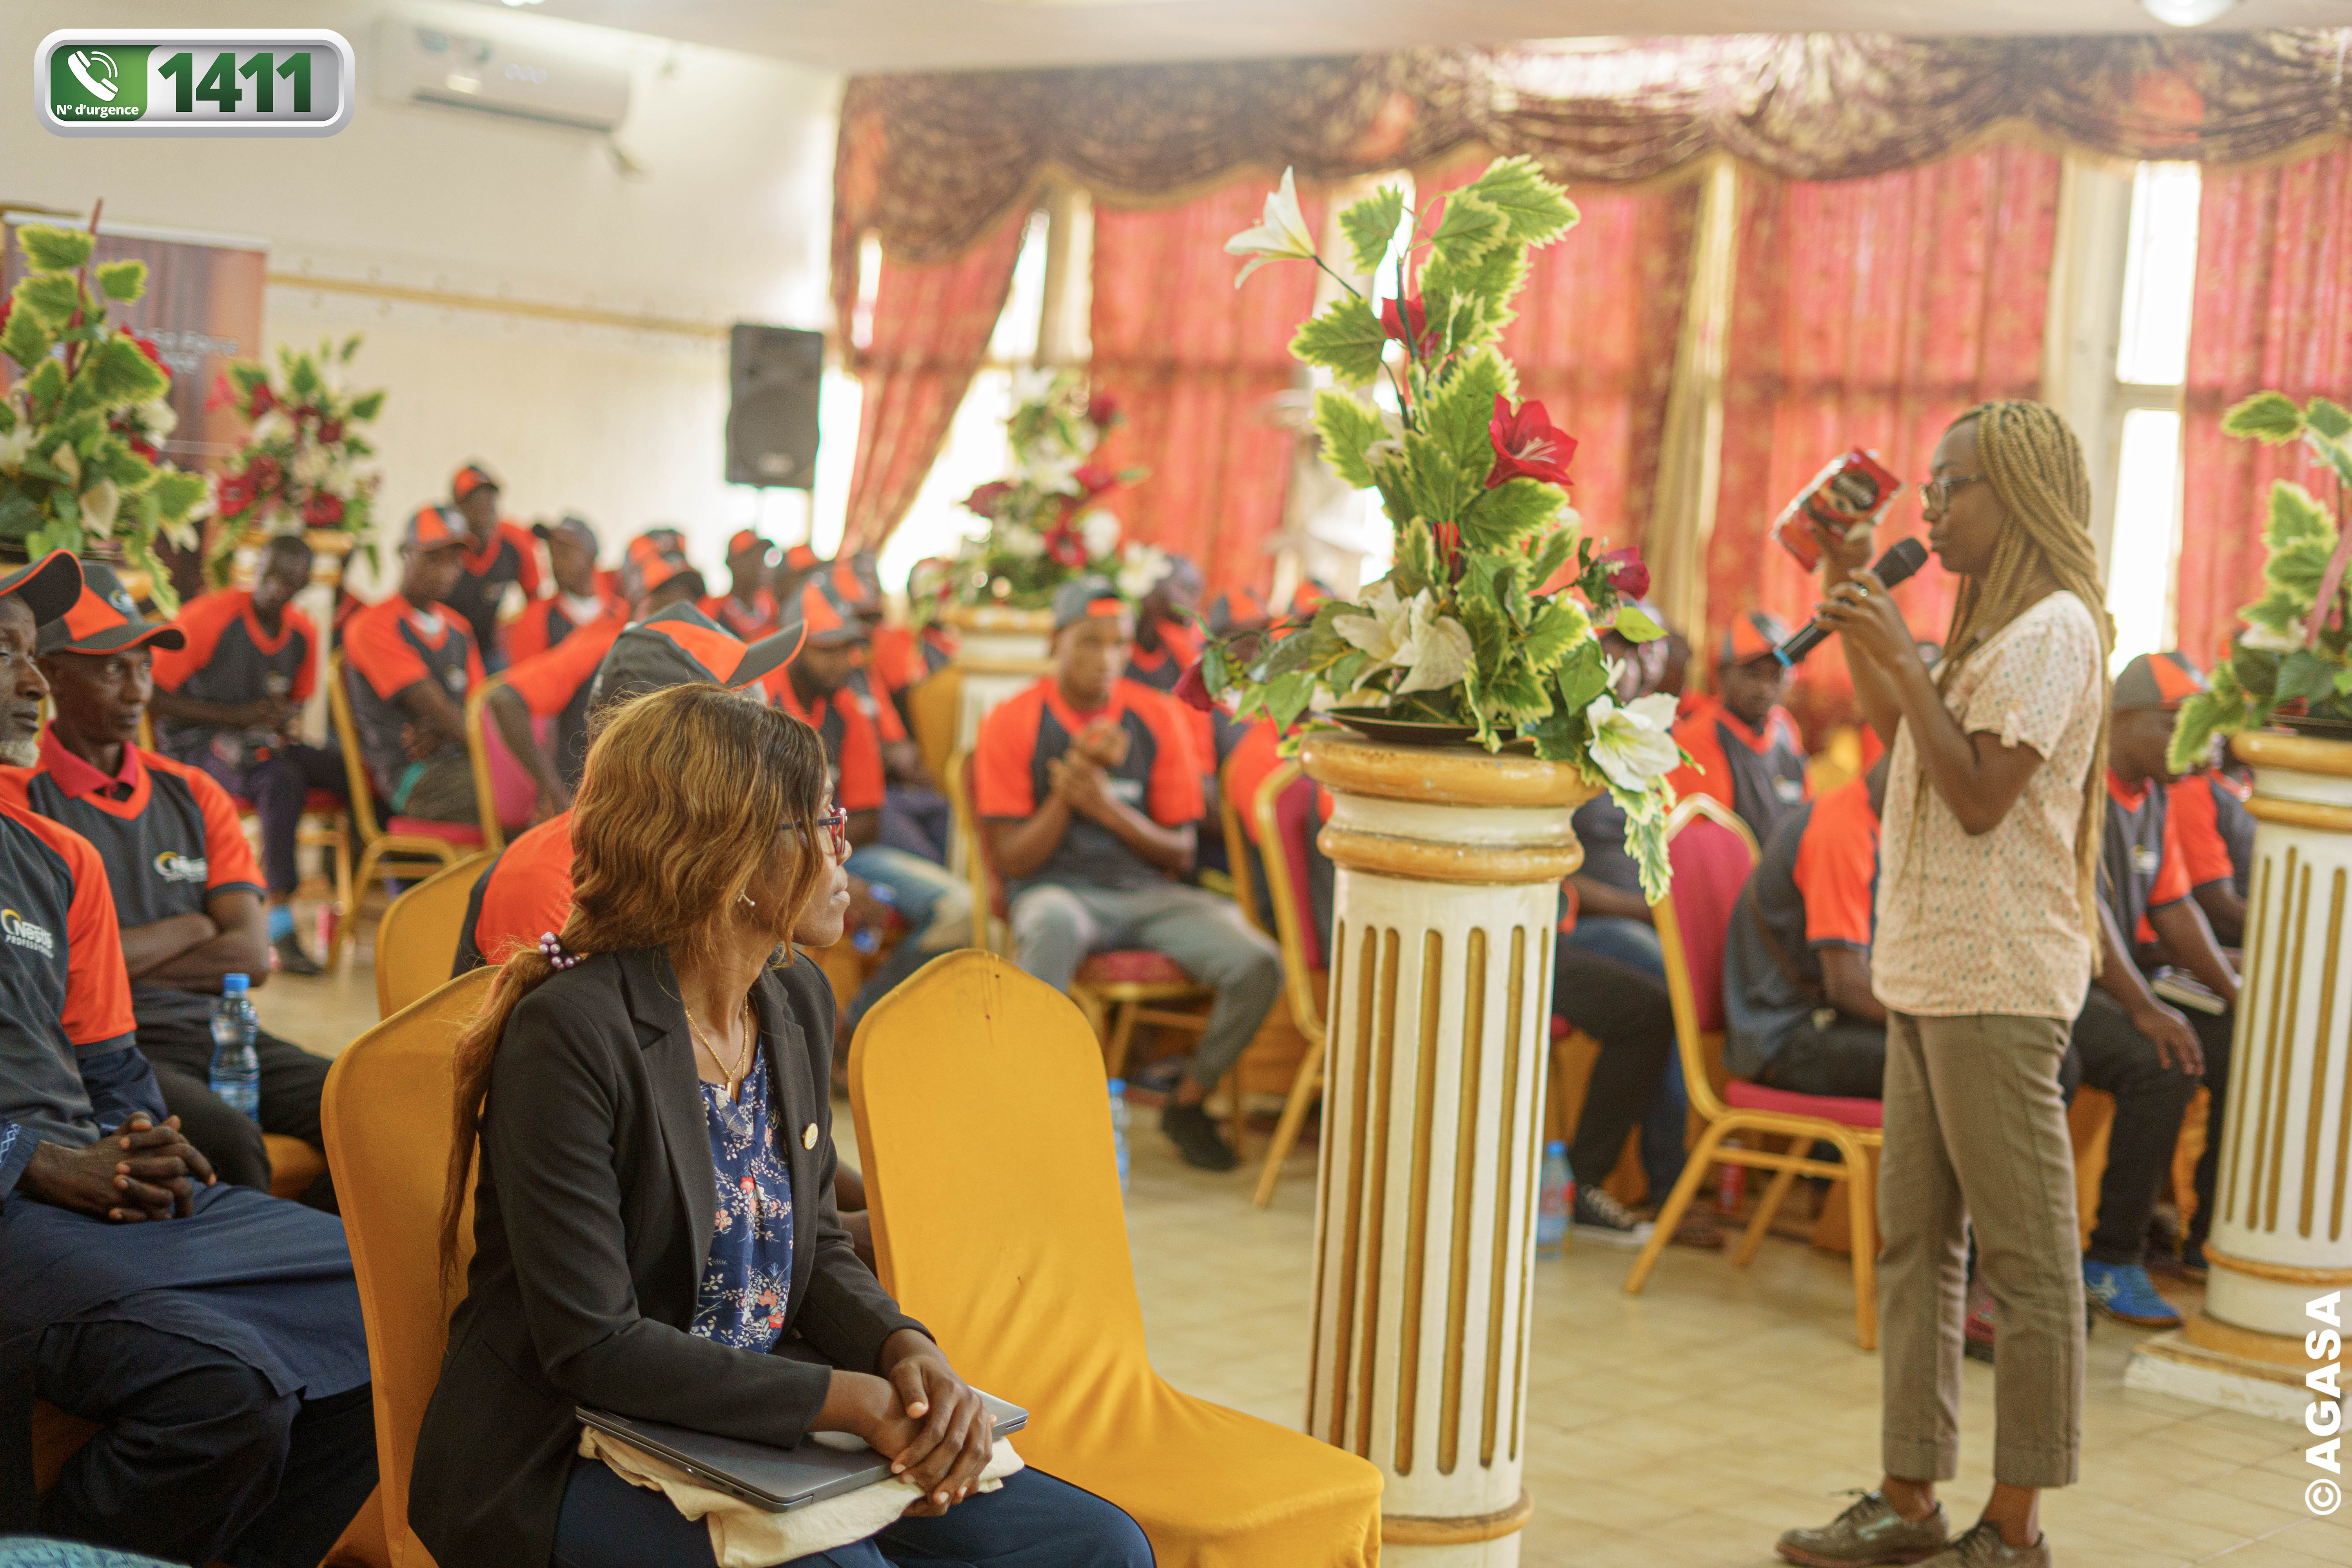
1976, 1134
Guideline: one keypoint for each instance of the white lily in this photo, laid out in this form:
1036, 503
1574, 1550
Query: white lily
66, 460
1280, 235
311, 465
1022, 543
271, 428
157, 417
1100, 529
1433, 650
99, 505
1634, 745
2271, 639
1140, 568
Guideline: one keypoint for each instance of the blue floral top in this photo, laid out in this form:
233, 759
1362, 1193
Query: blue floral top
740, 1301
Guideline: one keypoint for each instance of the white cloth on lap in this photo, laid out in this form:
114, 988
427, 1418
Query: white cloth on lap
742, 1536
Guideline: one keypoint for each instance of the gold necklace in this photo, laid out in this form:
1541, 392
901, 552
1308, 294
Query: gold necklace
742, 1055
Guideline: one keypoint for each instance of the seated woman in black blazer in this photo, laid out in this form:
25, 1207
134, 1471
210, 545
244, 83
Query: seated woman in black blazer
654, 1225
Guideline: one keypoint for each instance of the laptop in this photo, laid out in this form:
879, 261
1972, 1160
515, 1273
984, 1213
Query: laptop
774, 1479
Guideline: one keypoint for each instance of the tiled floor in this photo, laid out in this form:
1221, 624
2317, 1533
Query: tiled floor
1683, 1428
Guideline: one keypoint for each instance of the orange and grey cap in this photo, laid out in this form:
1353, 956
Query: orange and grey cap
434, 529
469, 478
829, 622
568, 526
2158, 680
49, 586
680, 645
855, 584
1087, 599
801, 557
745, 542
643, 574
1753, 635
105, 620
659, 540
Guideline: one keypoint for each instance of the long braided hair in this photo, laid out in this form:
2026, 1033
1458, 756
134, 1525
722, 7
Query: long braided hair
680, 806
2030, 457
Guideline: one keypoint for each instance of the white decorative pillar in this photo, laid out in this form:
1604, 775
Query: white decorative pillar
1449, 863
2282, 1229
998, 652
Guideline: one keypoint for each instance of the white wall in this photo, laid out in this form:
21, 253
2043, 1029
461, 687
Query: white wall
726, 221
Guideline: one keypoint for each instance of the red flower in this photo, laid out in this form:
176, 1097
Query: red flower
6, 305
143, 449
1094, 478
1449, 549
1628, 574
1065, 546
985, 500
222, 395
1193, 689
147, 347
1101, 412
264, 400
264, 473
1526, 445
331, 431
322, 510
1392, 322
235, 494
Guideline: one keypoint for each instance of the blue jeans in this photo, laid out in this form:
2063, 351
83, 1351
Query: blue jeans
935, 903
1635, 943
1033, 1522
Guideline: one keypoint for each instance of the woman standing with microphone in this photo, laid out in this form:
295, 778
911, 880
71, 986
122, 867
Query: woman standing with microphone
1987, 933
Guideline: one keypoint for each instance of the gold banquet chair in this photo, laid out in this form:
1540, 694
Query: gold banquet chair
417, 940
402, 845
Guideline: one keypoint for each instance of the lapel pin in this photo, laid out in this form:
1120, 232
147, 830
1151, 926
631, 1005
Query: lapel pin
808, 1136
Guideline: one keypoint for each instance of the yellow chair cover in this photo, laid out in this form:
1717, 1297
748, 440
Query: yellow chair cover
417, 940
997, 1221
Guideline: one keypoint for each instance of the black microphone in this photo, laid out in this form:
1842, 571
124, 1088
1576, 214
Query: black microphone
1905, 556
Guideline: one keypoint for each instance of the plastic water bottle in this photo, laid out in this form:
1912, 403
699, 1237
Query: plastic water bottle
1119, 1126
1555, 1201
236, 1070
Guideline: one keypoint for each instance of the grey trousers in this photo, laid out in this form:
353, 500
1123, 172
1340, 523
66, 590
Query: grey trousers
1055, 928
1976, 1135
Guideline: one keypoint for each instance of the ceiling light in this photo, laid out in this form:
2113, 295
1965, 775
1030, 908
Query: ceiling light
2179, 13
542, 2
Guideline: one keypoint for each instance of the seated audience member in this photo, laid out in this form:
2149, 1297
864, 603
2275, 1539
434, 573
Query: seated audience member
747, 609
411, 662
1745, 748
905, 655
187, 894
216, 1342
1166, 645
935, 905
1090, 798
2128, 1040
675, 997
1674, 674
1628, 1013
2217, 832
554, 686
578, 600
914, 815
497, 553
1798, 1007
230, 702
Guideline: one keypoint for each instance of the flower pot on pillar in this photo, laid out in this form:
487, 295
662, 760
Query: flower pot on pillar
2282, 1229
1450, 862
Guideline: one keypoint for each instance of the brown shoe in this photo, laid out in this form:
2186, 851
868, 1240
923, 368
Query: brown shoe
1982, 1547
1869, 1532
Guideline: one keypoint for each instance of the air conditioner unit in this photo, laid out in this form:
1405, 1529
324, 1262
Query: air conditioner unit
416, 63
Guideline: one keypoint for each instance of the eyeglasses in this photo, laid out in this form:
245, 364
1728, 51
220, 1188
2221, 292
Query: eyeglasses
836, 825
1936, 494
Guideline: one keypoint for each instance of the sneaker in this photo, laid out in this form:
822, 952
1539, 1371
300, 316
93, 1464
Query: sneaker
1197, 1139
287, 957
1602, 1219
1982, 1547
2123, 1293
1870, 1531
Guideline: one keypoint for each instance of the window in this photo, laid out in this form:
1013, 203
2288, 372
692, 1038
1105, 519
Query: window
2151, 361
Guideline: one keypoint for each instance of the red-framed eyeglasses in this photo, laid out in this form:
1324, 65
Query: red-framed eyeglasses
837, 825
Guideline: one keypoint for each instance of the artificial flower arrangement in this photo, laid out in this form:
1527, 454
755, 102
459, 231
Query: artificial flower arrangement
80, 431
1472, 633
1048, 522
299, 466
2293, 662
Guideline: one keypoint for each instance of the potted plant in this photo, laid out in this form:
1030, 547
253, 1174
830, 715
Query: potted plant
298, 471
1487, 629
80, 428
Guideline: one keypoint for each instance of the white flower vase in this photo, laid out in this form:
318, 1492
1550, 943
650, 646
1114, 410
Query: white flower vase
2281, 1230
1449, 861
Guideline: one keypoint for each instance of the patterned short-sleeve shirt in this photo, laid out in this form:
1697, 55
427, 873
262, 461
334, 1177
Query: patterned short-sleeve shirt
749, 1277
1994, 923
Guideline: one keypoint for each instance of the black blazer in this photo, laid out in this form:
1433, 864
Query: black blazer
592, 1218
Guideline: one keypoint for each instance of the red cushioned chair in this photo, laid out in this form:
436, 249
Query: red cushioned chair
404, 845
1115, 990
1285, 809
1712, 854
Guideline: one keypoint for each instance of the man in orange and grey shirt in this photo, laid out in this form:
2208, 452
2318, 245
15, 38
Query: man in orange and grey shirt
1745, 748
498, 553
2208, 808
1090, 800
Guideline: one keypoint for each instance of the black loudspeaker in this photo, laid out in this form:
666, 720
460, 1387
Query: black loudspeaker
774, 376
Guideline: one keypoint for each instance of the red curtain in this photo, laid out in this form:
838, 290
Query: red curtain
929, 330
2273, 310
1195, 366
1867, 313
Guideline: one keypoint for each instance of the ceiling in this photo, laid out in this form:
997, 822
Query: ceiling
947, 35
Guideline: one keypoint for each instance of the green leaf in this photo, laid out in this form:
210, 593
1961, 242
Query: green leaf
1348, 427
1416, 557
1347, 670
1559, 626
1286, 697
1345, 340
302, 382
368, 405
48, 248
1535, 211
1470, 228
26, 341
2306, 674
19, 514
1553, 555
1435, 485
123, 281
1582, 676
2269, 416
53, 296
1371, 226
1523, 696
1560, 737
1461, 406
2328, 418
1490, 635
1294, 652
1510, 512
176, 491
1470, 301
1634, 626
2256, 670
118, 374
